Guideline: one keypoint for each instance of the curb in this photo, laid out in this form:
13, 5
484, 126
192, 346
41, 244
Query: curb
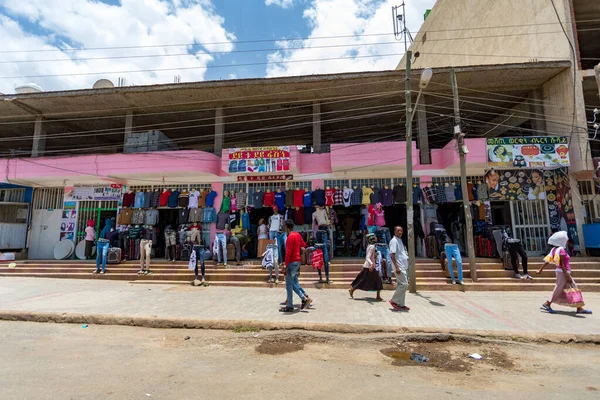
190, 323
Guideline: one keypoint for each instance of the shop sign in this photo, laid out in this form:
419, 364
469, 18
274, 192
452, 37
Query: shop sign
259, 159
265, 178
111, 192
518, 184
528, 152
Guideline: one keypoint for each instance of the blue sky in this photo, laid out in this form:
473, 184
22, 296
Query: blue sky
79, 38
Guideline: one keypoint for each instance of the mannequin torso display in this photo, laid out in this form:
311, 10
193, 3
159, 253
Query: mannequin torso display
128, 199
329, 196
338, 197
139, 199
307, 200
366, 195
155, 202
375, 197
164, 198
148, 199
242, 199
289, 197
320, 217
226, 202
269, 198
298, 197
280, 199
319, 197
184, 199
346, 196
399, 194
379, 215
386, 196
233, 202
173, 198
210, 198
257, 198
194, 196
356, 196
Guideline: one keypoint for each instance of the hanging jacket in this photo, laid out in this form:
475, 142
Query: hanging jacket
192, 262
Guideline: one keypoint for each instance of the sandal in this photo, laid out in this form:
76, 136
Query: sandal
286, 309
548, 308
584, 312
351, 292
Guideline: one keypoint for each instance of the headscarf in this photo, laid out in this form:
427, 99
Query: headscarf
91, 223
371, 238
559, 239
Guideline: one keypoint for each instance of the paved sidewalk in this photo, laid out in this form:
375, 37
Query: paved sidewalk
509, 312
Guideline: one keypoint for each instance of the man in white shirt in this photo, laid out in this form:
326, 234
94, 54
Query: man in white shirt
399, 258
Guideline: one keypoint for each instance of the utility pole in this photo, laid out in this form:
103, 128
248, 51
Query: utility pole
597, 71
462, 151
412, 273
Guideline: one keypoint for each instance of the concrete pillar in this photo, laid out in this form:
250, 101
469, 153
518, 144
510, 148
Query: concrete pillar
579, 211
128, 129
219, 131
317, 127
39, 138
423, 138
538, 121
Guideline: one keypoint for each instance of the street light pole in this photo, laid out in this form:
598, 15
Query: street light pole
412, 273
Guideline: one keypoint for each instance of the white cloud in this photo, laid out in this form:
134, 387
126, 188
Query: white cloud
354, 18
77, 24
280, 3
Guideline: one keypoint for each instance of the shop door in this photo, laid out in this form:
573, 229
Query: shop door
531, 224
96, 210
45, 233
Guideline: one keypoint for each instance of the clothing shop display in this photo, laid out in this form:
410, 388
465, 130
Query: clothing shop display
482, 192
128, 199
346, 196
458, 192
209, 215
257, 199
299, 216
375, 197
245, 220
289, 198
135, 232
440, 193
164, 198
148, 199
222, 220
138, 217
193, 199
280, 200
366, 195
399, 194
183, 216
320, 217
319, 197
449, 192
210, 198
298, 198
429, 193
233, 203
233, 220
386, 196
151, 217
202, 198
329, 197
173, 199
139, 200
155, 200
221, 247
356, 197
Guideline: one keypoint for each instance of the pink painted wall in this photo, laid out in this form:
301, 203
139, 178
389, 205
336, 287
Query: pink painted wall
314, 163
384, 154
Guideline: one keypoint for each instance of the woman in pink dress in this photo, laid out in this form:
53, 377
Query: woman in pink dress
559, 257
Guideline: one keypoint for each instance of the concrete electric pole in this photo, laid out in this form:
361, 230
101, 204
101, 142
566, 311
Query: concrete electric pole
462, 151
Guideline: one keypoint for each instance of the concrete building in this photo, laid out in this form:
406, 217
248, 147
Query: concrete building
473, 32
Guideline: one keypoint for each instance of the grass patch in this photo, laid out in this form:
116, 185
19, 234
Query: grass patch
242, 329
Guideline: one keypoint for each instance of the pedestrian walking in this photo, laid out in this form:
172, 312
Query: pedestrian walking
369, 279
399, 258
90, 238
559, 257
291, 268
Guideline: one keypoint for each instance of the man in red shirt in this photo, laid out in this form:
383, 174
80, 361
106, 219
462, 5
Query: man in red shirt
291, 267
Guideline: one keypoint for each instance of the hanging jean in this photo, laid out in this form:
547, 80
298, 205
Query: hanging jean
281, 238
453, 251
292, 284
385, 255
323, 238
222, 243
101, 254
206, 234
199, 250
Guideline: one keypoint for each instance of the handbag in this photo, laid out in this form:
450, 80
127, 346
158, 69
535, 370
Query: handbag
574, 296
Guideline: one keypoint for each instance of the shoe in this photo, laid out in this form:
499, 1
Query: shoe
101, 272
460, 283
519, 276
95, 271
527, 276
453, 282
148, 272
276, 281
394, 305
286, 309
141, 272
306, 303
196, 282
283, 303
389, 281
225, 265
203, 280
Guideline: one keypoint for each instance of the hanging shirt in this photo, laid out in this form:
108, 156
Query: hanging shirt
245, 220
195, 215
128, 199
482, 192
375, 198
257, 199
226, 204
184, 199
449, 192
458, 192
299, 216
125, 216
289, 198
208, 215
319, 197
298, 197
222, 220
440, 193
173, 199
356, 197
308, 215
418, 195
155, 202
347, 196
338, 197
429, 194
379, 217
280, 200
366, 196
307, 199
329, 194
164, 198
233, 202
194, 196
210, 198
399, 194
269, 199
136, 232
371, 214
183, 216
139, 200
386, 196
151, 217
320, 217
147, 199
202, 198
242, 200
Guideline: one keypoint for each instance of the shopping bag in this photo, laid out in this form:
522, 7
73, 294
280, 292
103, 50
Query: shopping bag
574, 297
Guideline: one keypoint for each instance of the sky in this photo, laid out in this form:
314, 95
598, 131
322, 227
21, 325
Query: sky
70, 44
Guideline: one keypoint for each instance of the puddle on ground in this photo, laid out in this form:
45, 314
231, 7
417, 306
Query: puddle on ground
403, 357
278, 347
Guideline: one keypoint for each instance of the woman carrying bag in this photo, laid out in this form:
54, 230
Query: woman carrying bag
565, 292
369, 279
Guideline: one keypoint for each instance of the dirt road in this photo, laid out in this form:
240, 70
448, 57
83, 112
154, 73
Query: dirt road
48, 361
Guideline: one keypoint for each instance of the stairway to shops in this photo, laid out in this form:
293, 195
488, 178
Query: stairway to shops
491, 274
